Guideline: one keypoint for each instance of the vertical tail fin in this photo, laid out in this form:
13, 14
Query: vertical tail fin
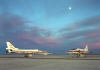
10, 46
86, 48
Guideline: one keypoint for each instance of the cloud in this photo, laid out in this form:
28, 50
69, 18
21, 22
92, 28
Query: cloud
81, 33
9, 21
94, 21
15, 29
43, 41
96, 45
89, 22
93, 34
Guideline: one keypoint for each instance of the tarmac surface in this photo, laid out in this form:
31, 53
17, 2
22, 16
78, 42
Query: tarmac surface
49, 62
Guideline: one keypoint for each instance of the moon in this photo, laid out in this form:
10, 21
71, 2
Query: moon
69, 8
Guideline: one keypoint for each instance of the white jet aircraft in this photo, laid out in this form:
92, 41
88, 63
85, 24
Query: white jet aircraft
79, 52
11, 49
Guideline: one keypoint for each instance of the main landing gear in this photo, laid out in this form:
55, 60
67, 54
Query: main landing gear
28, 55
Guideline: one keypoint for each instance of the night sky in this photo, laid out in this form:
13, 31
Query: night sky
50, 25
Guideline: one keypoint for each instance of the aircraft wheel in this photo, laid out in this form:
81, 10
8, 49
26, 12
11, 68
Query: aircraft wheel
26, 55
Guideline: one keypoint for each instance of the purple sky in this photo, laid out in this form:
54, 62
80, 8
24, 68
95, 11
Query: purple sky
50, 25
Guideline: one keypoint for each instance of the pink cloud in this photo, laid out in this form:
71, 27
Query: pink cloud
91, 45
26, 37
93, 34
95, 45
74, 28
38, 41
44, 41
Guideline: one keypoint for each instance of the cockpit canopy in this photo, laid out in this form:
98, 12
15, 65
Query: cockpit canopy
74, 49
